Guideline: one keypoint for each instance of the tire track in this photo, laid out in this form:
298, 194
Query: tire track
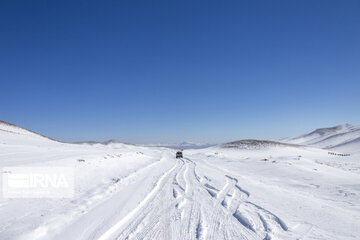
184, 204
143, 204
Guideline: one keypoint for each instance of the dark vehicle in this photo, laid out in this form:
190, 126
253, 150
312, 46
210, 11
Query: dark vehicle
179, 155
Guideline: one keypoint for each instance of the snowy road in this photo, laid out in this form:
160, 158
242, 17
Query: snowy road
182, 205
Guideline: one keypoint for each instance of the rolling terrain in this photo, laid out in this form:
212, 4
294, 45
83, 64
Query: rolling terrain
248, 189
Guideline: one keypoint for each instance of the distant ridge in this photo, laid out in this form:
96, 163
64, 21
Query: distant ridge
256, 144
182, 145
108, 142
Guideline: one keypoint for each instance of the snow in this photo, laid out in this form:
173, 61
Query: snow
244, 190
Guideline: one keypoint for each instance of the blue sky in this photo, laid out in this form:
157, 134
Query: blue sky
167, 71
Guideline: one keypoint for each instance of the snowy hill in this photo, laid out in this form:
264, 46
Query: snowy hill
15, 135
344, 137
256, 144
13, 129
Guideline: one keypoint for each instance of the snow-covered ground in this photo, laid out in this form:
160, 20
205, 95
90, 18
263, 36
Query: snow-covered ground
243, 190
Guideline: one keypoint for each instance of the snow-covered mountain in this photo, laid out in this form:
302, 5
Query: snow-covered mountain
344, 137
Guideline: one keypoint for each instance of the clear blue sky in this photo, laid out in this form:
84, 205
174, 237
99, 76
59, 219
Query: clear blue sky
167, 71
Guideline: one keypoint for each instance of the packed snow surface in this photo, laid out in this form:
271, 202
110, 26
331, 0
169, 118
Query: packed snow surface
244, 190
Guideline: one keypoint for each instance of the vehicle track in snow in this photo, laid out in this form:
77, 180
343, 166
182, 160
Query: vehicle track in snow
186, 205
